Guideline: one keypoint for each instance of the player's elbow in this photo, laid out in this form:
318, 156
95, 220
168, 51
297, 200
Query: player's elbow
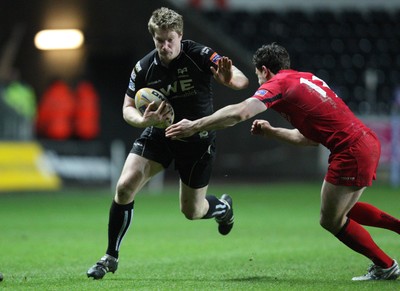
126, 116
303, 141
245, 83
241, 84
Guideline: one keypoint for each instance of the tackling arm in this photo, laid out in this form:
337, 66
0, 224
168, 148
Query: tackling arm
224, 117
293, 136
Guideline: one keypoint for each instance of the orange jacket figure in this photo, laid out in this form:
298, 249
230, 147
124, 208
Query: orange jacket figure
87, 111
55, 112
220, 4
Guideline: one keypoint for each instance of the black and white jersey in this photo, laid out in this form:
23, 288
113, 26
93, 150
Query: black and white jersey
186, 83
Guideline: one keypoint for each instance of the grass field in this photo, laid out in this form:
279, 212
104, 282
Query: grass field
49, 240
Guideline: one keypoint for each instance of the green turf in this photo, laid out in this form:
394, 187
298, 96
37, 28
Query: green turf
48, 241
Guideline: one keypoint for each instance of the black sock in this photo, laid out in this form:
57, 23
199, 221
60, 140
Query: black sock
216, 207
118, 224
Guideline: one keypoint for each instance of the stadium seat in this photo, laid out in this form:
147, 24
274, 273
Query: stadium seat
339, 46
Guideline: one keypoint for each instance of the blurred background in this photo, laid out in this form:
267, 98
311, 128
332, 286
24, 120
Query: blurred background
60, 109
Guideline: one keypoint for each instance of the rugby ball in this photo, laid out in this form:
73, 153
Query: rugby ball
145, 96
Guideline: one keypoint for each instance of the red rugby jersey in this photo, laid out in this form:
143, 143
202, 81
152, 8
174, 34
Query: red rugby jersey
312, 107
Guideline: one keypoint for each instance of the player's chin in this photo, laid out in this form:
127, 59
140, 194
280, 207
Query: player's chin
166, 58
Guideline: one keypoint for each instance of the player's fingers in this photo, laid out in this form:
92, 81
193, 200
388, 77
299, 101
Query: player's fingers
221, 63
227, 63
150, 107
171, 132
163, 108
213, 71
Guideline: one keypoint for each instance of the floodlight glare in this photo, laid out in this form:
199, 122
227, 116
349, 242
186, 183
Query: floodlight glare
59, 39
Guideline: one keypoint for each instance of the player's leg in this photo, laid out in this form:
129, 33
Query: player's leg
336, 202
194, 164
135, 174
362, 164
148, 157
195, 204
369, 215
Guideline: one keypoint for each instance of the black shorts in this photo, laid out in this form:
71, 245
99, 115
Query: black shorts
193, 159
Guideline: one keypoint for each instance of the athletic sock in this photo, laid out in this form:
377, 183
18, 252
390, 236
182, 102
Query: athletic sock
358, 239
118, 224
216, 208
369, 215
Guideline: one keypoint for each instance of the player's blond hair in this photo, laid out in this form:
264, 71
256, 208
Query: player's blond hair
165, 19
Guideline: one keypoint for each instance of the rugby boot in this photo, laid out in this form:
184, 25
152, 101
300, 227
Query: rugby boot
225, 223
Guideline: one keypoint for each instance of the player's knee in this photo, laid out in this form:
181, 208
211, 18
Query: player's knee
324, 223
189, 216
124, 191
329, 224
190, 213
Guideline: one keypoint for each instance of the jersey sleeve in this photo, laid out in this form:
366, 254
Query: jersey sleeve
135, 80
268, 93
204, 56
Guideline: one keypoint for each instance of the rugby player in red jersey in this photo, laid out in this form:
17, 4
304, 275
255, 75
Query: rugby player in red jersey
318, 116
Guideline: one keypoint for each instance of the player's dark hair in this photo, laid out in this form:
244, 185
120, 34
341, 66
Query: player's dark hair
273, 57
166, 19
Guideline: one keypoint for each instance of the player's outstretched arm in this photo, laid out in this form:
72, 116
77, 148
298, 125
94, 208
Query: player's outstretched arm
224, 117
293, 136
229, 75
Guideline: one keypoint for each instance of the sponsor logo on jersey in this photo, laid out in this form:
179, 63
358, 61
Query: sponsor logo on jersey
261, 93
132, 80
215, 57
202, 135
131, 84
133, 75
183, 85
182, 71
138, 67
204, 51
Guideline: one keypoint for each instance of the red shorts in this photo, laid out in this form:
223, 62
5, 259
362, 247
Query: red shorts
357, 164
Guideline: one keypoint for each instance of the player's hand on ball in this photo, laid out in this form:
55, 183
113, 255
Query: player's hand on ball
182, 129
157, 116
154, 108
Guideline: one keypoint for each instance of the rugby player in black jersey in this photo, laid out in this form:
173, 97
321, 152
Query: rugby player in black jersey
182, 70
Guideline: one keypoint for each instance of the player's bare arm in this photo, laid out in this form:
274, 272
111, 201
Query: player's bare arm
227, 74
224, 117
293, 136
151, 117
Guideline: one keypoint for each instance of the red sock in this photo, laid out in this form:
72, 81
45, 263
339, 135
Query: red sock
367, 214
358, 239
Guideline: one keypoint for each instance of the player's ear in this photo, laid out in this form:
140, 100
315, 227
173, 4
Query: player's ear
267, 73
